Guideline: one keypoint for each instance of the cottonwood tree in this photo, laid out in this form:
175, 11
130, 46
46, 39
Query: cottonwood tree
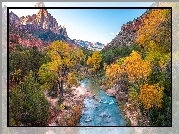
156, 27
95, 60
63, 68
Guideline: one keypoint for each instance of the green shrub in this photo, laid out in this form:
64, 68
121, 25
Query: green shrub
128, 122
27, 104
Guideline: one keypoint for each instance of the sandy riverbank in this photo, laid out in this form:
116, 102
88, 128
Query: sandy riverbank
73, 99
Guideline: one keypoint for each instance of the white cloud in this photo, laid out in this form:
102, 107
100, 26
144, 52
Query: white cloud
112, 33
117, 33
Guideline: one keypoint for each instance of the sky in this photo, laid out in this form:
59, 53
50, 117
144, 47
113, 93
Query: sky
93, 25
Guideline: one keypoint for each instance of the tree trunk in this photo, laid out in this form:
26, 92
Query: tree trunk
61, 88
149, 116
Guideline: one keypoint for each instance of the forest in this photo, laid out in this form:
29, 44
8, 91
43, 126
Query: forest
140, 76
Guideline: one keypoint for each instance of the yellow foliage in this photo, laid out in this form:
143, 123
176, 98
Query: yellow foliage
74, 120
88, 62
135, 67
72, 80
151, 95
62, 106
64, 63
156, 56
95, 60
114, 73
157, 27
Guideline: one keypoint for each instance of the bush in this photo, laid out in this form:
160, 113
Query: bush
128, 122
75, 118
27, 104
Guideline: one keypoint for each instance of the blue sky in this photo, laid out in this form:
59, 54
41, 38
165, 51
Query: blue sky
94, 25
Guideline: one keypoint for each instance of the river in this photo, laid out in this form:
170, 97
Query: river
100, 110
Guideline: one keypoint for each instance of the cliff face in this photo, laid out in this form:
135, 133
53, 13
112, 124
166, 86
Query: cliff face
23, 37
38, 23
127, 35
42, 29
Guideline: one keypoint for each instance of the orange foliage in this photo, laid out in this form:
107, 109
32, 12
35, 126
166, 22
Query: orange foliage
156, 27
151, 95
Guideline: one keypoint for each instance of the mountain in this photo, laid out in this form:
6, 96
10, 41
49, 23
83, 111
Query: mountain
89, 45
44, 27
127, 34
41, 25
23, 37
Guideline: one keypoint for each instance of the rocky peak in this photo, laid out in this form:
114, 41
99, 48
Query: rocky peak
43, 13
126, 36
14, 19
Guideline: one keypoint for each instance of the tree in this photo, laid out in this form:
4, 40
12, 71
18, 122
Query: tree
133, 67
27, 103
133, 70
151, 95
114, 74
65, 61
136, 68
23, 59
95, 60
156, 27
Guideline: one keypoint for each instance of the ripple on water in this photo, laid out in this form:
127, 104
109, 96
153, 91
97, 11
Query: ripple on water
101, 110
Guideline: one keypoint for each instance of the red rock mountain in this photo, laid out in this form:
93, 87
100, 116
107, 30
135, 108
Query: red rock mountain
23, 37
37, 30
127, 34
42, 29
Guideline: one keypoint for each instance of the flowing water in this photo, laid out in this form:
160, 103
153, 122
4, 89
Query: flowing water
100, 110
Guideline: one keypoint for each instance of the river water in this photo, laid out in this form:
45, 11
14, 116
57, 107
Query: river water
100, 110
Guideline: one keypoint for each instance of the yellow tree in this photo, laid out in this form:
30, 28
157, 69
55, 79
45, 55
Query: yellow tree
113, 73
95, 60
136, 68
64, 65
156, 27
132, 69
151, 95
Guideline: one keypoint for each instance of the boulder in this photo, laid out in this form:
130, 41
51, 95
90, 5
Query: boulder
111, 92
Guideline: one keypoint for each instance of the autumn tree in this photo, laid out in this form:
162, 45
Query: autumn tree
133, 67
151, 95
136, 68
95, 60
63, 68
156, 27
113, 73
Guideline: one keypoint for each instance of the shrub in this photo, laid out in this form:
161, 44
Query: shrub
27, 104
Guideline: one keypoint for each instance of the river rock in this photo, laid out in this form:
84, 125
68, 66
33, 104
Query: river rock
102, 87
88, 120
111, 92
121, 96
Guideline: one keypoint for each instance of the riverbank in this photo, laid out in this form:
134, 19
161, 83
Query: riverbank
67, 112
133, 116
